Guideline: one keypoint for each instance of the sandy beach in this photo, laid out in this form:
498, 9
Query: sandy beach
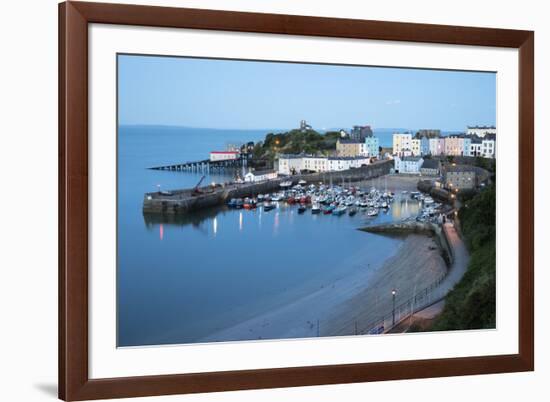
361, 297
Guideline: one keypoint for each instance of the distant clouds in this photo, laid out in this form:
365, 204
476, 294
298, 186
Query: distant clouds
393, 102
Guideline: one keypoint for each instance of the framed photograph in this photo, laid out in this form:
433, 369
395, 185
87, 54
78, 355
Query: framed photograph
259, 200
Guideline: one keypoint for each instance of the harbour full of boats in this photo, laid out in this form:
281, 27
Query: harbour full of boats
321, 199
340, 200
431, 211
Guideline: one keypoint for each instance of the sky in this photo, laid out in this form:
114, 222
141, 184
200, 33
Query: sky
231, 94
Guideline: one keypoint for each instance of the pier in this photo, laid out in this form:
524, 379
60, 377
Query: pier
187, 200
205, 165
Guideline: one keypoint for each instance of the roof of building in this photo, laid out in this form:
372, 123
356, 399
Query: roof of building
412, 158
350, 141
291, 156
347, 158
430, 164
262, 172
460, 168
490, 136
482, 127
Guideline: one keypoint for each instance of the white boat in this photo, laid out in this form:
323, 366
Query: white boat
372, 212
339, 210
302, 182
286, 184
428, 200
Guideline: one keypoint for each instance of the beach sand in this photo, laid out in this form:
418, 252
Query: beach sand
417, 264
360, 297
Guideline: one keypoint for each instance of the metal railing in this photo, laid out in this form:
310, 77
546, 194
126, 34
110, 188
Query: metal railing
422, 299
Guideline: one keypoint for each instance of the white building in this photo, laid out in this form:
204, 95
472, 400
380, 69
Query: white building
415, 147
290, 164
481, 131
315, 163
337, 163
408, 164
260, 175
216, 156
401, 142
488, 148
475, 148
437, 146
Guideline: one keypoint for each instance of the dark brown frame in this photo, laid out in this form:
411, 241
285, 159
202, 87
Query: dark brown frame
74, 17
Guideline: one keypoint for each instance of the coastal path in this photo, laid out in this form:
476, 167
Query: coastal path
402, 315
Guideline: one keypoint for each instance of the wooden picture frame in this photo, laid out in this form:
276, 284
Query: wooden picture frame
74, 381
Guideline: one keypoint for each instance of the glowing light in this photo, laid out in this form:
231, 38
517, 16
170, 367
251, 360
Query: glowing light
161, 231
215, 225
276, 223
240, 221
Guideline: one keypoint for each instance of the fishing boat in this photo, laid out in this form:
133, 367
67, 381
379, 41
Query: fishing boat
239, 203
352, 211
301, 209
340, 210
327, 209
302, 182
249, 203
286, 184
232, 203
268, 206
372, 212
315, 209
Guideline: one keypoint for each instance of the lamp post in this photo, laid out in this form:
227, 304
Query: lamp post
393, 293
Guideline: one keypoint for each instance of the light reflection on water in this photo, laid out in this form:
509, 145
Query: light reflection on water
221, 266
182, 277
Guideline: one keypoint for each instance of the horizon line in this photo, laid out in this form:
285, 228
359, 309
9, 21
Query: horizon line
285, 128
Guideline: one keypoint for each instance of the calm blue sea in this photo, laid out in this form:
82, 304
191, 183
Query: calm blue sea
180, 280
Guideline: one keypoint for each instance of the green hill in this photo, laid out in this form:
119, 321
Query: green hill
295, 142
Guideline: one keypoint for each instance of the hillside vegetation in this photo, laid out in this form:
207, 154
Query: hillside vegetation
295, 142
471, 304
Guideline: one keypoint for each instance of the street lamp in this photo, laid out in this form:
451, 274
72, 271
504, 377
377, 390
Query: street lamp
393, 293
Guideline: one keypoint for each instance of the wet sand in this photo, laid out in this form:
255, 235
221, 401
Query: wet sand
359, 298
417, 264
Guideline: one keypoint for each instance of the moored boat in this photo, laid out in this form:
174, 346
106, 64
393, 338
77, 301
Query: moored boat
340, 210
372, 212
286, 184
